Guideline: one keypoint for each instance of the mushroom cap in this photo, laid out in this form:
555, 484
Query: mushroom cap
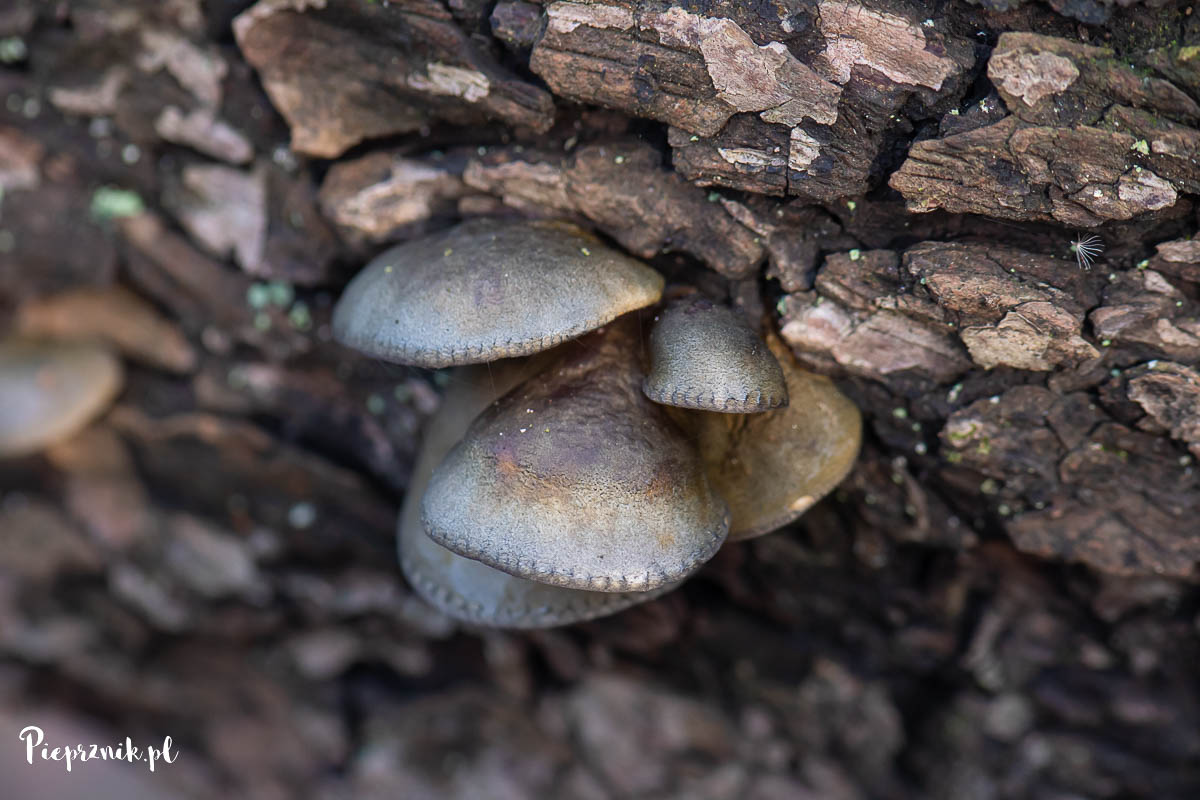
705, 356
50, 390
576, 479
773, 467
465, 589
488, 289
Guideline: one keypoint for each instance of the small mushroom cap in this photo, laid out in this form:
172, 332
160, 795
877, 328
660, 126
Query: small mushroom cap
576, 479
489, 289
50, 390
773, 467
705, 356
465, 589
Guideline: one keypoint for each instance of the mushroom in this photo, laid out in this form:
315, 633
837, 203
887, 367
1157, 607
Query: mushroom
705, 356
460, 587
575, 494
488, 289
576, 479
50, 390
773, 467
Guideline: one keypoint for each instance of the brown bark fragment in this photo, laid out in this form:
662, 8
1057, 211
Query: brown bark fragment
517, 24
408, 64
114, 315
1050, 485
1170, 393
622, 188
531, 181
225, 210
1013, 308
748, 154
1167, 148
858, 317
1179, 258
794, 233
902, 49
1075, 176
592, 53
1049, 81
200, 128
649, 209
696, 72
1009, 308
1034, 336
823, 162
1136, 539
679, 67
981, 283
1145, 313
384, 195
1078, 149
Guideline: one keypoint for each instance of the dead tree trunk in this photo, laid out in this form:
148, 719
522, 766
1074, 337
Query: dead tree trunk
977, 217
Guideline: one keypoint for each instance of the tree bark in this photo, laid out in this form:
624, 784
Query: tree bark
1000, 601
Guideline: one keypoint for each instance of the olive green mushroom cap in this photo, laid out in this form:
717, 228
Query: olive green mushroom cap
773, 467
576, 479
465, 589
50, 390
489, 289
705, 356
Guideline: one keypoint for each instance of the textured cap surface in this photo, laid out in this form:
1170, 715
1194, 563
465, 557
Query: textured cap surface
488, 289
50, 390
576, 479
465, 589
705, 356
773, 467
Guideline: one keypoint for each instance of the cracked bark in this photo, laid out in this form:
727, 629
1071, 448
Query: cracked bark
999, 601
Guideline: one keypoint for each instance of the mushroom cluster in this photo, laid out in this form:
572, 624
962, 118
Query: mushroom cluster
578, 474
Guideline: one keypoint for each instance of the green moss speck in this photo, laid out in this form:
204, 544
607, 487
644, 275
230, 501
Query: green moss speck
109, 202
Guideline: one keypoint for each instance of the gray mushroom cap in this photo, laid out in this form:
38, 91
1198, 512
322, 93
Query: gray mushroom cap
705, 356
773, 467
467, 590
50, 390
489, 289
576, 479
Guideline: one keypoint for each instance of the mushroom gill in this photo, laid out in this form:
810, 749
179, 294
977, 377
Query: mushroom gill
468, 590
705, 356
489, 289
772, 467
50, 390
576, 479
